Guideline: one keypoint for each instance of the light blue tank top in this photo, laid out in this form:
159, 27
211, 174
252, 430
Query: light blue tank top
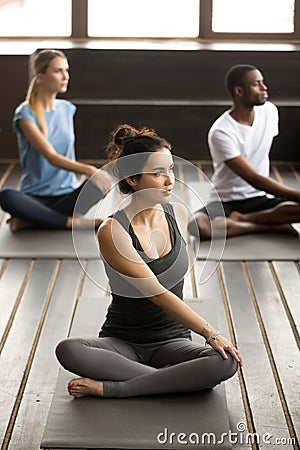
39, 177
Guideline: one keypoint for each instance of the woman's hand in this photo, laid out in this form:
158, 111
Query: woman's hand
102, 180
222, 345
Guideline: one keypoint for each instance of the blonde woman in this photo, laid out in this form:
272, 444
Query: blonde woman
45, 135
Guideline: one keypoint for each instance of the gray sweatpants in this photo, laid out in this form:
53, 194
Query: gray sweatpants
127, 369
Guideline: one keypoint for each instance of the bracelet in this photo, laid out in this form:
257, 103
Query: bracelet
205, 328
212, 337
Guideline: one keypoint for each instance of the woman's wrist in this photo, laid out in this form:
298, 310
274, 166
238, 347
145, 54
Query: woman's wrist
90, 170
207, 330
212, 337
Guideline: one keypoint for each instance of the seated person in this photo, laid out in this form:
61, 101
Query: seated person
240, 141
144, 346
45, 135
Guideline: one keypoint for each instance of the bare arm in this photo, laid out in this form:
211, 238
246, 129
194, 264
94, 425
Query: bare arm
114, 244
100, 178
40, 143
245, 170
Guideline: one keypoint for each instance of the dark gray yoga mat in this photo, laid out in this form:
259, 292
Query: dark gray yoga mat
136, 423
252, 247
150, 422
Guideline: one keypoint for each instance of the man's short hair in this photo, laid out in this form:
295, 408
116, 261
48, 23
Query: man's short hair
235, 75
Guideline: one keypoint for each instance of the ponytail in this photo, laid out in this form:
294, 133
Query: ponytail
31, 99
40, 64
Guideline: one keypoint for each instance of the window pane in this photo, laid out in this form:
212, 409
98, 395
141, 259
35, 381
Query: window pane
35, 18
253, 16
143, 18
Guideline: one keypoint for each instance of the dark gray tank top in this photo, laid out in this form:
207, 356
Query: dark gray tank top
133, 317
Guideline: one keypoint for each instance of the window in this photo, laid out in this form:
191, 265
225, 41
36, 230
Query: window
255, 16
20, 18
213, 20
141, 18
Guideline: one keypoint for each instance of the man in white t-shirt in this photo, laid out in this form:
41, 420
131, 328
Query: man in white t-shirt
240, 141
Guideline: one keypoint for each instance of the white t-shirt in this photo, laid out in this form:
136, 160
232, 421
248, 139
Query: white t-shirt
228, 139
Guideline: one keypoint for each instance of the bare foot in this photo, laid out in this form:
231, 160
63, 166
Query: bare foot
81, 222
286, 228
16, 224
235, 215
83, 387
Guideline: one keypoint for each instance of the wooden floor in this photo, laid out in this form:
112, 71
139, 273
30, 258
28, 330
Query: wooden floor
257, 303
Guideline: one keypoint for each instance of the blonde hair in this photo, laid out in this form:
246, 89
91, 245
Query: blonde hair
40, 63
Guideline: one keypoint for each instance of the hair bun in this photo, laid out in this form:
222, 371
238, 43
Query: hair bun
122, 135
122, 132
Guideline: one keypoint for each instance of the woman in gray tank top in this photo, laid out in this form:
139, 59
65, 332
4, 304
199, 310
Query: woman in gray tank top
144, 346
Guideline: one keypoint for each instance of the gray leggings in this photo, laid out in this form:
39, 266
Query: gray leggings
127, 369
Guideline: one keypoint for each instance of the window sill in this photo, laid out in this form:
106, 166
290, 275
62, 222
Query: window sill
26, 46
169, 102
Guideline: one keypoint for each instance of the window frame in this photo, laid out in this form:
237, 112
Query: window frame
79, 29
206, 31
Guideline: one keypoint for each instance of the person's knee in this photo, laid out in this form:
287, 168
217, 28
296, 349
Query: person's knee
231, 366
61, 350
199, 226
67, 351
224, 368
6, 198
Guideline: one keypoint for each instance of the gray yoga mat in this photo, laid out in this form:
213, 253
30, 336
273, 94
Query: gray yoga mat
83, 244
252, 247
136, 423
255, 247
34, 243
198, 419
48, 244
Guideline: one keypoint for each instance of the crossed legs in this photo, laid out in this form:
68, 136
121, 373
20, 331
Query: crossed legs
110, 367
28, 211
277, 219
284, 213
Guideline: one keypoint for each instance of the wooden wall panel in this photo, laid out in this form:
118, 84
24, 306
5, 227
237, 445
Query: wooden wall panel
176, 74
180, 93
184, 126
13, 82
